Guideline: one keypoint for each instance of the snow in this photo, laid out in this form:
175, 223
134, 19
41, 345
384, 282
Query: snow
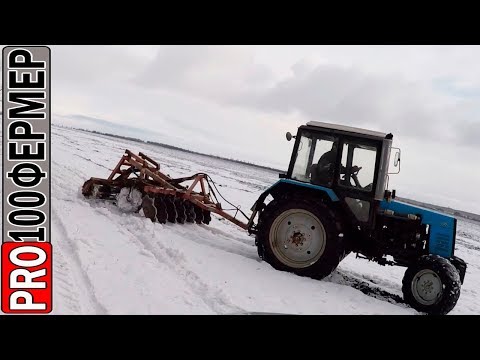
107, 261
129, 199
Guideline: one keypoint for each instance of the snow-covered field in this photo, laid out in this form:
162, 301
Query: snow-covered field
109, 262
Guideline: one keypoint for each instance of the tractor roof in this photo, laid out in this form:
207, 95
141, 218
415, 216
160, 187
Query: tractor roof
348, 129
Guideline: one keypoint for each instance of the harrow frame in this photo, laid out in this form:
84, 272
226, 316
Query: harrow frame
151, 181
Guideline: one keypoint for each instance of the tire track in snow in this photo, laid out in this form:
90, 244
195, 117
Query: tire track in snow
90, 160
215, 299
73, 284
215, 231
64, 286
70, 253
235, 246
361, 283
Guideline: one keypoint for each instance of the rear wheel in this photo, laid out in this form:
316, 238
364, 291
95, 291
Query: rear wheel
432, 285
300, 236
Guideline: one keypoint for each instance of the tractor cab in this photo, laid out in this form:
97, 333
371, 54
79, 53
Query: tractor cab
350, 161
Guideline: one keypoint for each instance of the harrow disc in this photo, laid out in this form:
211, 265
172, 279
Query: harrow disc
189, 212
180, 208
149, 210
161, 207
198, 214
166, 208
171, 210
206, 217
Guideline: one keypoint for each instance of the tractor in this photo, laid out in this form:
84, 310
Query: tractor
332, 201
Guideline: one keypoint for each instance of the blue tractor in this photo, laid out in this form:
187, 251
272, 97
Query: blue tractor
333, 200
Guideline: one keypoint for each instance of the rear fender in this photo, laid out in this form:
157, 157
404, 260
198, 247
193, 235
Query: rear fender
288, 186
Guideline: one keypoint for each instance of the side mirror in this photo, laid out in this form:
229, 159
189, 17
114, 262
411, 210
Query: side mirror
396, 161
289, 136
397, 158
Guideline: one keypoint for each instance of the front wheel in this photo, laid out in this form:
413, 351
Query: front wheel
301, 236
432, 285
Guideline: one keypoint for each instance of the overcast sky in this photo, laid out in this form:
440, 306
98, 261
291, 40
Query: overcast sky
239, 101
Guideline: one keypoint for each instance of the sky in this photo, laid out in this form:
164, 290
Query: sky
239, 101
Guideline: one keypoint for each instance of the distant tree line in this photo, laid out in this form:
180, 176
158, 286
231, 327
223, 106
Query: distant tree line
167, 146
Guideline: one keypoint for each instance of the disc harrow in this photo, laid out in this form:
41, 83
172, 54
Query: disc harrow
136, 183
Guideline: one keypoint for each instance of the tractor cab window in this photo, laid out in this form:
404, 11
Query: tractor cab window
358, 166
315, 159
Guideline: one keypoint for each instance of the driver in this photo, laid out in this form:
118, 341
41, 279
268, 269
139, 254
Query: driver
322, 172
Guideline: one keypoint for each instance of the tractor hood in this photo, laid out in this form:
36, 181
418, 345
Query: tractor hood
442, 227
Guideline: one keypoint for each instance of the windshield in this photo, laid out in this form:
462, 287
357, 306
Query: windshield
315, 159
